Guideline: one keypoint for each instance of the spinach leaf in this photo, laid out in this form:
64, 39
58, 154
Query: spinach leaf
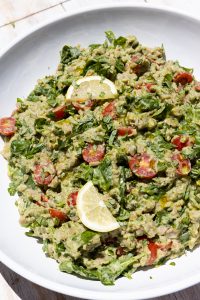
31, 183
167, 81
87, 235
70, 267
68, 54
26, 148
107, 123
108, 274
102, 176
40, 123
112, 137
146, 103
101, 66
17, 177
84, 172
123, 215
120, 41
60, 248
84, 124
158, 145
110, 36
47, 88
119, 65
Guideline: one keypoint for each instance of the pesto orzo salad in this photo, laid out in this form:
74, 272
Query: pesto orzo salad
105, 159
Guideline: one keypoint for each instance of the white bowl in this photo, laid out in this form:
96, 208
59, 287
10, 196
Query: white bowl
36, 55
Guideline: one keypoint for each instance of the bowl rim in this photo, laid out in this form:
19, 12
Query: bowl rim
76, 9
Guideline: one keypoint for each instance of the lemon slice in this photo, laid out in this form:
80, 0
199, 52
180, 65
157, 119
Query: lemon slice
92, 210
91, 88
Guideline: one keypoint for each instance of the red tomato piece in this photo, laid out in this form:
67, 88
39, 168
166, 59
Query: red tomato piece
150, 87
59, 112
197, 87
72, 199
110, 110
58, 214
44, 198
42, 175
93, 153
153, 248
184, 165
83, 105
122, 131
181, 142
183, 78
143, 166
7, 126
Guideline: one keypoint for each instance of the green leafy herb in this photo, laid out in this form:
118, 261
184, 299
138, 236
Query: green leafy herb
68, 54
101, 66
110, 36
26, 148
85, 124
40, 123
123, 215
47, 88
108, 274
70, 267
102, 176
167, 81
60, 248
119, 65
120, 41
146, 103
87, 235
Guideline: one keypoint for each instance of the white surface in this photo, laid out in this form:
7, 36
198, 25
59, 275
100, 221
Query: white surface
20, 68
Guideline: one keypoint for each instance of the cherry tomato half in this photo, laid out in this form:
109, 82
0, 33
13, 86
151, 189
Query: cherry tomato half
83, 105
58, 214
72, 199
110, 110
129, 131
42, 175
143, 166
181, 142
7, 126
184, 165
59, 112
93, 153
183, 78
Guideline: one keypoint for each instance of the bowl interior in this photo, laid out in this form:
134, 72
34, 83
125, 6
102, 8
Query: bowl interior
38, 55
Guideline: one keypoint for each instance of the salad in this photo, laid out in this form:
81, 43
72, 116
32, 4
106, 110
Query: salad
104, 156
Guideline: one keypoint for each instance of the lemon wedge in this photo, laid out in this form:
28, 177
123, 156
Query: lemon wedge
91, 88
92, 210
